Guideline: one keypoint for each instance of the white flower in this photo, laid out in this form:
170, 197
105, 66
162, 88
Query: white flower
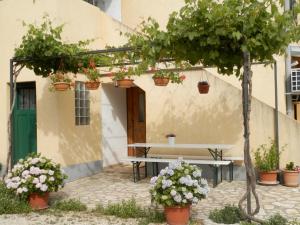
44, 187
15, 179
195, 200
9, 175
166, 183
162, 172
34, 161
21, 160
25, 189
175, 165
173, 193
19, 190
51, 172
23, 181
189, 195
183, 189
51, 179
42, 178
35, 180
38, 185
153, 180
203, 181
184, 201
29, 159
7, 181
25, 173
177, 198
170, 171
197, 173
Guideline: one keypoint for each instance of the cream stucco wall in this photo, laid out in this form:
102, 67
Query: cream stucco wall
57, 135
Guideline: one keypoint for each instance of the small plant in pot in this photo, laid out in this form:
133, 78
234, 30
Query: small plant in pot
266, 161
92, 75
171, 138
162, 77
60, 81
177, 187
33, 178
291, 175
123, 79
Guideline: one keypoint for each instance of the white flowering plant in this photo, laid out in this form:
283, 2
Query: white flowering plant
178, 184
35, 174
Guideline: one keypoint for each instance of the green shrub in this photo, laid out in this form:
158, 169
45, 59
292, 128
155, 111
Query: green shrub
69, 205
277, 219
10, 203
229, 214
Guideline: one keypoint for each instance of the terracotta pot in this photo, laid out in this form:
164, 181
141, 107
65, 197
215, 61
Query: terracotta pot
92, 85
177, 215
38, 201
125, 83
203, 87
61, 86
159, 81
268, 177
291, 178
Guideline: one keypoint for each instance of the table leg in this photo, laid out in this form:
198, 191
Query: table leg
146, 162
221, 157
216, 173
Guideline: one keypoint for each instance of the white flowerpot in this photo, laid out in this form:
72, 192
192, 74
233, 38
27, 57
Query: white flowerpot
171, 140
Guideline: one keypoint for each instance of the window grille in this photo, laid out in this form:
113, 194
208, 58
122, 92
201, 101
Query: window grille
82, 104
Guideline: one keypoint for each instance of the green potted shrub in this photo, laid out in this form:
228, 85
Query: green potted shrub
162, 77
60, 81
177, 187
123, 77
266, 161
291, 175
33, 178
92, 74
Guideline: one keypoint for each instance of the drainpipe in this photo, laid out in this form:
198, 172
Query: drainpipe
11, 85
276, 122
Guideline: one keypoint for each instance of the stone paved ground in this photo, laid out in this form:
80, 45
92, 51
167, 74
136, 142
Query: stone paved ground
115, 185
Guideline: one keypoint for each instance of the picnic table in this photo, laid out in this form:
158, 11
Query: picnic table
215, 150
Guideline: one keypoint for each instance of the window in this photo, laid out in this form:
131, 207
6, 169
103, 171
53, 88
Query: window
82, 104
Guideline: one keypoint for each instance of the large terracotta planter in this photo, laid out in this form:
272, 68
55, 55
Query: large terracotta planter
92, 85
160, 81
125, 83
268, 177
291, 178
61, 86
177, 215
203, 87
38, 201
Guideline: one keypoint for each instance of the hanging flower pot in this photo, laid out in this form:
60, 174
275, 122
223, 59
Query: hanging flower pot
38, 201
161, 81
61, 86
92, 85
203, 87
125, 83
177, 215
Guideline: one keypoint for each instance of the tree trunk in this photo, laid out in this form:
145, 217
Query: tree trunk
250, 172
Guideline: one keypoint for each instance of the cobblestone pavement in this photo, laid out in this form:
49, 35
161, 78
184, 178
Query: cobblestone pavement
116, 185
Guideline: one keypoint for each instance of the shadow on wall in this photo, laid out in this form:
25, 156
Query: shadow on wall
58, 137
195, 118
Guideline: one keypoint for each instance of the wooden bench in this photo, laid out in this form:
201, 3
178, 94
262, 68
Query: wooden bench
136, 161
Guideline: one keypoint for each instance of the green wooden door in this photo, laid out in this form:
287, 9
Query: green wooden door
24, 121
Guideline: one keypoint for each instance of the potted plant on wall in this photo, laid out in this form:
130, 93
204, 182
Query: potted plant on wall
34, 178
266, 161
177, 187
60, 81
92, 74
162, 77
122, 77
291, 175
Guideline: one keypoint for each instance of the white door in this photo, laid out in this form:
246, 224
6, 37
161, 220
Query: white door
114, 124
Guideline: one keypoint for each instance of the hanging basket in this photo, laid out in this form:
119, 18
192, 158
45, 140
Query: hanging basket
61, 86
203, 87
92, 85
125, 83
161, 81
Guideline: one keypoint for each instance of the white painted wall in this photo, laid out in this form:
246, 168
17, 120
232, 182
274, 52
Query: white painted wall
114, 124
113, 8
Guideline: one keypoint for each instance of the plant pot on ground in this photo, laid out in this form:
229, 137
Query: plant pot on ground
203, 87
291, 175
39, 177
172, 189
266, 162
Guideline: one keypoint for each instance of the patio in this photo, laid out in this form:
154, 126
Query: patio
115, 184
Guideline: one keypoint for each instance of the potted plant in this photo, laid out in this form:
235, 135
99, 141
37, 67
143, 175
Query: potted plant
123, 77
177, 187
203, 87
291, 175
161, 78
60, 81
171, 138
266, 161
33, 178
92, 74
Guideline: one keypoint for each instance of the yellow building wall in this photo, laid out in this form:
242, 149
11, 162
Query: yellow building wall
57, 135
